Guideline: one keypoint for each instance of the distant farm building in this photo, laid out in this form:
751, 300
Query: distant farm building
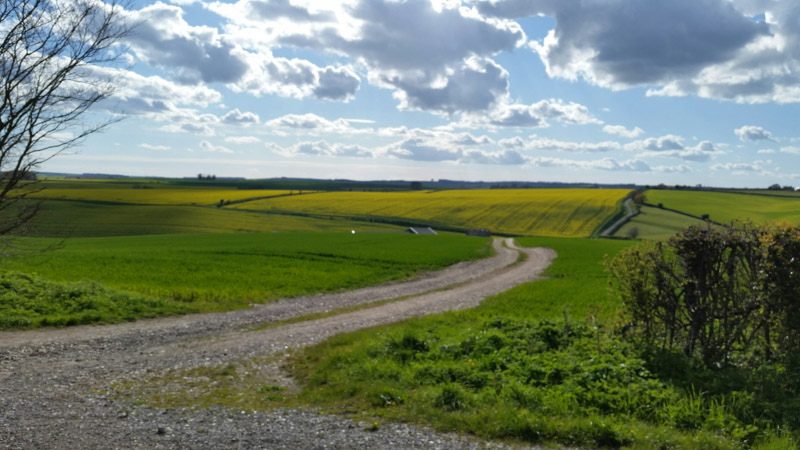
479, 232
421, 230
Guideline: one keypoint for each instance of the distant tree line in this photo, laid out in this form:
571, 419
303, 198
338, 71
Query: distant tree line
201, 176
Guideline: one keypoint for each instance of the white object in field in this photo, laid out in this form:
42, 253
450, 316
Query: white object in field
353, 231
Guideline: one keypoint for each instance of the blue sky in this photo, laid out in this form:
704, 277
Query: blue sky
630, 91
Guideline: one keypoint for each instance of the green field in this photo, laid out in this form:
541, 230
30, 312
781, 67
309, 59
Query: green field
544, 212
724, 206
147, 195
60, 218
654, 223
215, 272
543, 364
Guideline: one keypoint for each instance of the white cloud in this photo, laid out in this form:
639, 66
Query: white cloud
435, 58
766, 151
682, 168
621, 131
322, 148
663, 143
420, 150
753, 133
608, 164
241, 140
672, 146
535, 115
312, 123
669, 45
742, 168
197, 54
791, 150
159, 148
208, 147
236, 117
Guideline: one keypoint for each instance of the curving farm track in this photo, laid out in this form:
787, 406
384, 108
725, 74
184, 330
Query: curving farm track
54, 384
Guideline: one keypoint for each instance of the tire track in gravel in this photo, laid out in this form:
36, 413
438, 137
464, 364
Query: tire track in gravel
52, 381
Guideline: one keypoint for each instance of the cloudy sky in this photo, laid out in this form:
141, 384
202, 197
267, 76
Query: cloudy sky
678, 91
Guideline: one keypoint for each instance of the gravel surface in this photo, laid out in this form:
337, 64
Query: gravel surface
54, 384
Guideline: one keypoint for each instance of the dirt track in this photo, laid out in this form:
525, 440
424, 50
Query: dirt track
53, 382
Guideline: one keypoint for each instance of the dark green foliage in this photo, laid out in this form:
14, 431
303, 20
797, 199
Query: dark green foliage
729, 296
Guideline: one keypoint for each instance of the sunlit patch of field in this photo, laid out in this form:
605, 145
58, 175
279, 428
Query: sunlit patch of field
544, 212
86, 219
145, 195
725, 207
654, 223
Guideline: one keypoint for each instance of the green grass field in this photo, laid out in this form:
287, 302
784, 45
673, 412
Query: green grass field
655, 224
154, 196
59, 218
545, 212
724, 207
215, 272
541, 364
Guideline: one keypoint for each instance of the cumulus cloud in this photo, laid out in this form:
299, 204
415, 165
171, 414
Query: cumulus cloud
272, 9
672, 146
322, 148
475, 86
201, 54
621, 131
208, 147
241, 140
791, 150
236, 117
753, 133
435, 58
681, 168
164, 39
669, 45
159, 148
535, 115
296, 78
540, 143
663, 143
608, 164
420, 150
313, 123
505, 157
634, 43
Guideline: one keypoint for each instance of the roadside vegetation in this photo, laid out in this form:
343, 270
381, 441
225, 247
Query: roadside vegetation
204, 273
526, 212
546, 363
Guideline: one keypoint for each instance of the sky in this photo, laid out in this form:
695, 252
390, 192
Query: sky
602, 91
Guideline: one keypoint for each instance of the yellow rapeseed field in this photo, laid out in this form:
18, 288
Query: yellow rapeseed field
542, 212
158, 196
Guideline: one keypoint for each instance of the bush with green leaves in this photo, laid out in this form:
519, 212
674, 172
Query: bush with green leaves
726, 295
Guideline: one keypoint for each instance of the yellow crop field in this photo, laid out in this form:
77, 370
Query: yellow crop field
542, 212
157, 196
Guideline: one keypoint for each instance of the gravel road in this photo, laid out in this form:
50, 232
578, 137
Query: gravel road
54, 384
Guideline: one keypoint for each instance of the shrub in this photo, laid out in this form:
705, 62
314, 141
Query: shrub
726, 295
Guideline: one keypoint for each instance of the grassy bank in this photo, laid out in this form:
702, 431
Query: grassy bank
541, 364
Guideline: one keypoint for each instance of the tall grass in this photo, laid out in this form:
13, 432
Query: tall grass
542, 363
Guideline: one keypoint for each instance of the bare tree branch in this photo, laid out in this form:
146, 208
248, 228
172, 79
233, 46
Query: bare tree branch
49, 54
